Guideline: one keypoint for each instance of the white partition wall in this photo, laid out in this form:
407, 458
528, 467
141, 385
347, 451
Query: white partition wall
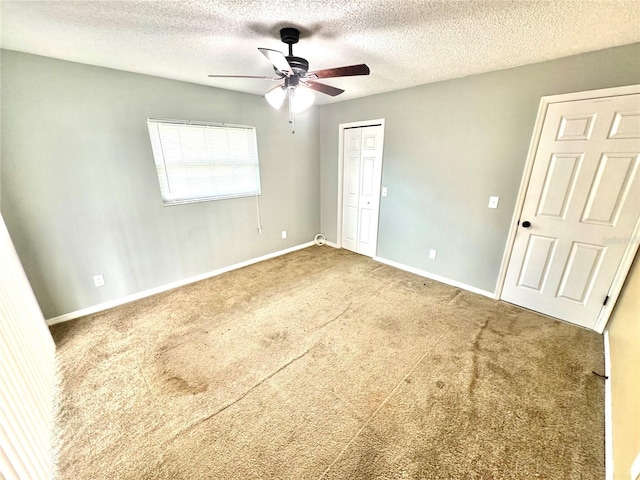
27, 374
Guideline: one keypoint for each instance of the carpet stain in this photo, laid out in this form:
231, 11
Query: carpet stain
180, 385
498, 370
375, 399
275, 338
172, 367
389, 324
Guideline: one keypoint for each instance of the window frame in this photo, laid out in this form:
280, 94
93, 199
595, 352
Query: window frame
162, 170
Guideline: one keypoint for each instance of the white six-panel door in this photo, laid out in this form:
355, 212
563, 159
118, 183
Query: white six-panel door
582, 203
361, 188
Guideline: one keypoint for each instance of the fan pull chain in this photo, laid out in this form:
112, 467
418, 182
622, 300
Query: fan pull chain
258, 211
291, 119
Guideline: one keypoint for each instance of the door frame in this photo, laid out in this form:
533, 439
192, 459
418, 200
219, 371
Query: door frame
632, 247
341, 128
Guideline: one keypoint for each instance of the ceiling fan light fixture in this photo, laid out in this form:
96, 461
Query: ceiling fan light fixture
276, 97
301, 98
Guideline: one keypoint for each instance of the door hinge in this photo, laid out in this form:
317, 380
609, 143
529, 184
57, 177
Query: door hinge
606, 299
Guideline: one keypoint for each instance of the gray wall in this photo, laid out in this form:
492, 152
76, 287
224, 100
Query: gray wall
448, 147
80, 195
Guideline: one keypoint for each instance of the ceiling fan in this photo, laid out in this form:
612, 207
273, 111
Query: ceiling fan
298, 83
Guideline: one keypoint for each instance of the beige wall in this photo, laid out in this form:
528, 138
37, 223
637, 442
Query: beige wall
624, 341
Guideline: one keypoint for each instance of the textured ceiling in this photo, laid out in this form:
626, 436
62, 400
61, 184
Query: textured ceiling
404, 42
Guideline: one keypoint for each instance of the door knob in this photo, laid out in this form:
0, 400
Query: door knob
526, 224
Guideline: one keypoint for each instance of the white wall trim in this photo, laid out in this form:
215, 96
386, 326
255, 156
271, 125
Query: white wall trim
618, 280
635, 468
634, 472
331, 244
341, 128
608, 411
627, 260
170, 286
29, 381
433, 276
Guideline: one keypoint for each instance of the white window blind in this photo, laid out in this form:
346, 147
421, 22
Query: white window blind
197, 162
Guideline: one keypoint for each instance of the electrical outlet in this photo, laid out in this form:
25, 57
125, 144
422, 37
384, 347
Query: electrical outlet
98, 280
384, 191
284, 234
493, 202
432, 254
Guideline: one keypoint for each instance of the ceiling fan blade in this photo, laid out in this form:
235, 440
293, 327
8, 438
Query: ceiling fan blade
349, 71
278, 59
322, 88
265, 77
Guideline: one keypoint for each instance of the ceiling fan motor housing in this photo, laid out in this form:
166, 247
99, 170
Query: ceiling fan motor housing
299, 65
290, 35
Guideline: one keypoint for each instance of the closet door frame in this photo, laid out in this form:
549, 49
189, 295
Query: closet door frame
341, 128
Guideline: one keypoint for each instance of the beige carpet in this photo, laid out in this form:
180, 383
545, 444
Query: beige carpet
323, 364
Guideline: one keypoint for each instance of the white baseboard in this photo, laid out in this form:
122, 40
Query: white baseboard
163, 288
331, 244
635, 468
608, 411
435, 277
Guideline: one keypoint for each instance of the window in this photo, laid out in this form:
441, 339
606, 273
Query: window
198, 161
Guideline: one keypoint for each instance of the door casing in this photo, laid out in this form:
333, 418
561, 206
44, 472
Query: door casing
341, 129
632, 247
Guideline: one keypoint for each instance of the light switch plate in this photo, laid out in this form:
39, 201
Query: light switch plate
493, 202
384, 191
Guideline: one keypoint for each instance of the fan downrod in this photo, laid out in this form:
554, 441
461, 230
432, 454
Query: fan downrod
299, 65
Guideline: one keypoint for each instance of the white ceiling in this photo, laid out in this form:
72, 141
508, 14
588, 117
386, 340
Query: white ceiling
404, 42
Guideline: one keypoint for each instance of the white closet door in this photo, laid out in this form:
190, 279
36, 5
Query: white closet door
361, 188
